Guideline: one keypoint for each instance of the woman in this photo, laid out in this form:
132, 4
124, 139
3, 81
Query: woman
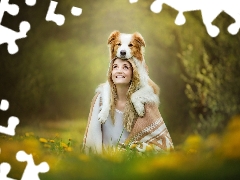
123, 125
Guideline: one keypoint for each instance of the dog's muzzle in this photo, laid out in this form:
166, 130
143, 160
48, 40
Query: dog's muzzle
123, 54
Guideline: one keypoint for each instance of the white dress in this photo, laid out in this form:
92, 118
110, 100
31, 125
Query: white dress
114, 133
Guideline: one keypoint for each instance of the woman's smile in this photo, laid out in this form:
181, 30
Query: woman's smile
121, 72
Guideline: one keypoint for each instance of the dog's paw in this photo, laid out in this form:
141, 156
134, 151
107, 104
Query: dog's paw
138, 104
139, 107
102, 117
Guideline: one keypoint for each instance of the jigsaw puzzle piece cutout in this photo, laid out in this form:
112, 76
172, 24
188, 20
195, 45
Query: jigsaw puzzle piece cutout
76, 11
12, 9
9, 36
4, 105
208, 16
10, 130
30, 2
12, 121
4, 170
31, 171
133, 1
209, 10
51, 16
232, 9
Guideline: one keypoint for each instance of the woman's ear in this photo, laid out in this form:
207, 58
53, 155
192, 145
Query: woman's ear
113, 36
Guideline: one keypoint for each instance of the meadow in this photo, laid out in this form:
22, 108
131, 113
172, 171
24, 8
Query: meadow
59, 144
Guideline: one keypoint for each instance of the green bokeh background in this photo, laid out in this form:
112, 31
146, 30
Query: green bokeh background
57, 68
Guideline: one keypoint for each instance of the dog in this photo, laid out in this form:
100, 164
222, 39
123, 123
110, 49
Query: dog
127, 46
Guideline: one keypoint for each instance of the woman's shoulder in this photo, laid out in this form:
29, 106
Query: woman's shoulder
152, 109
99, 92
101, 87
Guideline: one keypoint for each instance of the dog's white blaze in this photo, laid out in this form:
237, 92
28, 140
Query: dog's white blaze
125, 40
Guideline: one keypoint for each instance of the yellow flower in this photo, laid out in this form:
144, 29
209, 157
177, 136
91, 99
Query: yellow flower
84, 157
27, 134
193, 143
230, 147
63, 145
47, 145
68, 149
132, 146
150, 147
43, 140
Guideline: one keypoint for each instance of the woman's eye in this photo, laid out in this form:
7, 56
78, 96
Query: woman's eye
114, 67
125, 67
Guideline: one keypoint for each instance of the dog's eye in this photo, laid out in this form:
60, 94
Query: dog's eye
130, 45
118, 44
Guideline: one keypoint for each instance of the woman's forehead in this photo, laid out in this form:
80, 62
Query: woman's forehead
121, 62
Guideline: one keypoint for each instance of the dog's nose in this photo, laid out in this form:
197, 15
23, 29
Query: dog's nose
123, 52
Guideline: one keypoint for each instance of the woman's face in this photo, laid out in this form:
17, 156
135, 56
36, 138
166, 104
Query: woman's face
121, 72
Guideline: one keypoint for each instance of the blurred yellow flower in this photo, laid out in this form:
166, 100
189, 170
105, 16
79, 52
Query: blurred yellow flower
193, 142
43, 140
113, 155
84, 157
212, 142
230, 147
150, 147
27, 134
68, 149
63, 145
47, 146
132, 146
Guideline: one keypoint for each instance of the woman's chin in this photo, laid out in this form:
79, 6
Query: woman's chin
121, 82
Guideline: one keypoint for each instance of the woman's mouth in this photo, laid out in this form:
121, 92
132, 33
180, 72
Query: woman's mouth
120, 76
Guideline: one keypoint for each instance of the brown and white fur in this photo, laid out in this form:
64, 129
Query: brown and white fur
127, 46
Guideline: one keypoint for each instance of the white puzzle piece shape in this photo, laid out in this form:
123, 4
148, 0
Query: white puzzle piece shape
51, 16
4, 105
10, 130
31, 171
4, 170
209, 10
7, 35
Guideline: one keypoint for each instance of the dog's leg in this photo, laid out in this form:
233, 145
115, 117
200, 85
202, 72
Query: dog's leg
146, 93
142, 96
103, 114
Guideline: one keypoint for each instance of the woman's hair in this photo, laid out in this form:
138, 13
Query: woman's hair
130, 114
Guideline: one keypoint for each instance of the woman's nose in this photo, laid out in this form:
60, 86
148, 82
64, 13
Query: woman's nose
120, 71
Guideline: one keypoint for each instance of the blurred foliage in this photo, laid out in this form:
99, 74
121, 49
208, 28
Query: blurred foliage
57, 68
215, 157
212, 78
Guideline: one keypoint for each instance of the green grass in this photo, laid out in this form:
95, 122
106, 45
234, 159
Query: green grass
216, 157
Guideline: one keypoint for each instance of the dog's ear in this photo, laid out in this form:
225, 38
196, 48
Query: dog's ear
138, 37
113, 36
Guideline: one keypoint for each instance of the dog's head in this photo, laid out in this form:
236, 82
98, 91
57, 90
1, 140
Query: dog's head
125, 46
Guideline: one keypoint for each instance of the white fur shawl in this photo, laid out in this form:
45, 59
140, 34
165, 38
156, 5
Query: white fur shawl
149, 129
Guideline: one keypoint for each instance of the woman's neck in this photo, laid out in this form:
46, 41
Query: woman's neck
121, 97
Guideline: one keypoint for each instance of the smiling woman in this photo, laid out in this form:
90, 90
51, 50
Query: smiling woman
123, 126
121, 73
